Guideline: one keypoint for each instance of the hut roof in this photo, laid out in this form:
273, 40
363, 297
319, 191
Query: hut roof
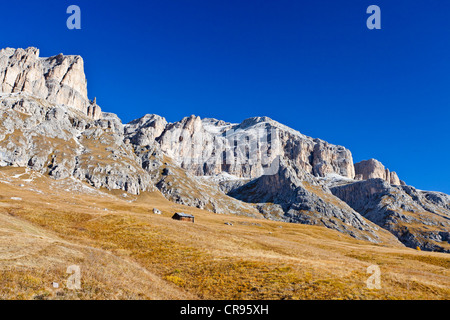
185, 215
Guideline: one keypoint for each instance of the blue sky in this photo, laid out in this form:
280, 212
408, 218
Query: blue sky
312, 65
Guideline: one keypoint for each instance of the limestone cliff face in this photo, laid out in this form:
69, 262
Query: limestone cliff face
373, 169
328, 158
59, 79
207, 147
145, 130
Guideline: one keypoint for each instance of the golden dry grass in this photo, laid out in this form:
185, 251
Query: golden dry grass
126, 252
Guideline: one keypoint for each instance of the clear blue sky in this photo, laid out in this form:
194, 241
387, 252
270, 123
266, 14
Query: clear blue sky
312, 65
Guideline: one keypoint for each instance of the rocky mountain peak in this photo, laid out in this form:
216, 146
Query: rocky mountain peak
59, 79
254, 120
144, 131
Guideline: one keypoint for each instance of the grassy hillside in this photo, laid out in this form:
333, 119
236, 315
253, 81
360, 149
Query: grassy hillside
126, 252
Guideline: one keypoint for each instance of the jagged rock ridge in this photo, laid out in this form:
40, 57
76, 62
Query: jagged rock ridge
209, 146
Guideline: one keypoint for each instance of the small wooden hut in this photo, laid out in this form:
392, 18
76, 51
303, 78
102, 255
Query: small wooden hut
183, 217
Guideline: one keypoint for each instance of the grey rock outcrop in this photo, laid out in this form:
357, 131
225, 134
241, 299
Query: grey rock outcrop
373, 169
144, 131
59, 80
63, 143
417, 218
298, 197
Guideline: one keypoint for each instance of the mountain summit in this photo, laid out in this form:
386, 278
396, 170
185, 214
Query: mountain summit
59, 79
